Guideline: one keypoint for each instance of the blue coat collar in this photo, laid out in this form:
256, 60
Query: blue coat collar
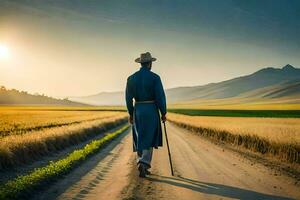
145, 68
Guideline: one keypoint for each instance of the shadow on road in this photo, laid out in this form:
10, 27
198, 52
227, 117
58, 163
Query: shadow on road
214, 188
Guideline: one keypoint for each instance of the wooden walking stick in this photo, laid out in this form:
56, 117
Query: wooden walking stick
170, 159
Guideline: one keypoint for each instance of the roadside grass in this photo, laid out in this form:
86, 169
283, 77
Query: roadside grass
277, 137
22, 186
16, 150
239, 113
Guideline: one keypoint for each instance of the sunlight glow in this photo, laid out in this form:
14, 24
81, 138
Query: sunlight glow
4, 52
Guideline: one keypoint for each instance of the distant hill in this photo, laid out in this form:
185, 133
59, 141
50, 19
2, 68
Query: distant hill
282, 90
14, 97
103, 98
266, 83
237, 86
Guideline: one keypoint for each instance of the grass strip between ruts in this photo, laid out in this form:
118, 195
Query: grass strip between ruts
21, 186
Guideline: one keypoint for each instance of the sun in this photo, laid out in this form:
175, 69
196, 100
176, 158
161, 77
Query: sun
4, 52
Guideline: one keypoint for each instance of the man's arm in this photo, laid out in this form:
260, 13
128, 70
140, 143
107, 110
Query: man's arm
129, 101
160, 98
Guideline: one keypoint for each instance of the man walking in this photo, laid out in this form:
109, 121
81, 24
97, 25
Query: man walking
145, 97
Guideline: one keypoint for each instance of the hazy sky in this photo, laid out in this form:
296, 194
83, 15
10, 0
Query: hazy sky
82, 47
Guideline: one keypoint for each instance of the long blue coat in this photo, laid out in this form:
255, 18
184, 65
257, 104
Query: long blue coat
145, 85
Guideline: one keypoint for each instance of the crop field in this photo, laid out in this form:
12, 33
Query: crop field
29, 134
20, 121
21, 186
276, 136
239, 113
240, 104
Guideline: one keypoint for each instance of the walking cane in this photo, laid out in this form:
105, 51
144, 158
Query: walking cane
170, 159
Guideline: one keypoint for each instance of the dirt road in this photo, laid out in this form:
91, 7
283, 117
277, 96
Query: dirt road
202, 171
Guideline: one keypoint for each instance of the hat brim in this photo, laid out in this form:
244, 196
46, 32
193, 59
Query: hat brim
138, 60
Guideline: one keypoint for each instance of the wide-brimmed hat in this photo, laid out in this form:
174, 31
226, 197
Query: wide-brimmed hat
145, 57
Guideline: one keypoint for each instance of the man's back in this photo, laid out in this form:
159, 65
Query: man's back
142, 83
146, 89
145, 85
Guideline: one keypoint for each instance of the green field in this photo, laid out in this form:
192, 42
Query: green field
239, 113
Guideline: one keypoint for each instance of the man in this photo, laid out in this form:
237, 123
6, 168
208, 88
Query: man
146, 89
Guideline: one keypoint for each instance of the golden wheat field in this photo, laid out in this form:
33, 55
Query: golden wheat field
278, 137
14, 122
29, 134
282, 130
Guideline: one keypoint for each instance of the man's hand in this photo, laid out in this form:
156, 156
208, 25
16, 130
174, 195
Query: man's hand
130, 119
163, 118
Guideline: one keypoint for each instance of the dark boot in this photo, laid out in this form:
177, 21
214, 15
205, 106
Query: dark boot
142, 170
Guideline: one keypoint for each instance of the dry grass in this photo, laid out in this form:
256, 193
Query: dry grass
277, 136
29, 135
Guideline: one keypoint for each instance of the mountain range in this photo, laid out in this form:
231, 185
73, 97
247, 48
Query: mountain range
16, 97
267, 83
